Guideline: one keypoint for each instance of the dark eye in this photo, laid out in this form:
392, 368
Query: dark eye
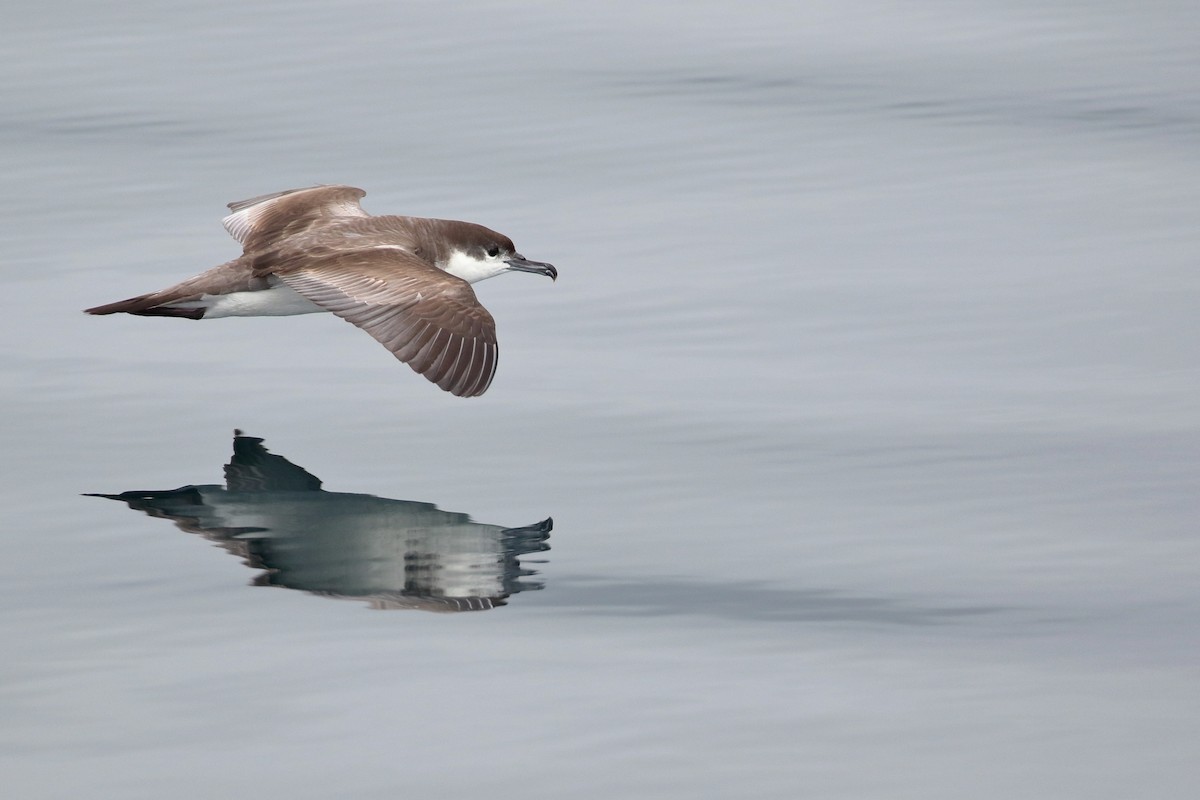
493, 251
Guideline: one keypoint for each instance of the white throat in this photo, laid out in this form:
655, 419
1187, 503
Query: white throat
472, 269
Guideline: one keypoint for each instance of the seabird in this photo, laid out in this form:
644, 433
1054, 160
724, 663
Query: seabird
404, 280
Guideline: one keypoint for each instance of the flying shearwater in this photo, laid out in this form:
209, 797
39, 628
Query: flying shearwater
404, 280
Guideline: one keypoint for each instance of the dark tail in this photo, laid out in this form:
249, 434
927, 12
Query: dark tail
144, 307
122, 306
231, 276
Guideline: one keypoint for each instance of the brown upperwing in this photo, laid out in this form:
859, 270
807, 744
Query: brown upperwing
427, 318
259, 221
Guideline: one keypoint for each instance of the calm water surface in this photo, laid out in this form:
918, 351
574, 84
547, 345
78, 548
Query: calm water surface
864, 407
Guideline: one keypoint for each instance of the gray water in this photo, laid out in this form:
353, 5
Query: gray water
864, 407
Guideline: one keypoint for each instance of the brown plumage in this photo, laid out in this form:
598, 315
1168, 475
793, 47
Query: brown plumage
404, 280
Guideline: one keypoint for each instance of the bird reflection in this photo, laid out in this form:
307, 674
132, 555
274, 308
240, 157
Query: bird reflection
395, 554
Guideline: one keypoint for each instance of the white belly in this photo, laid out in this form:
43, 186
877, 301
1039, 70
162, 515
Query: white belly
278, 301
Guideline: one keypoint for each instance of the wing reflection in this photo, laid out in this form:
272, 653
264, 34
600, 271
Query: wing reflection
276, 517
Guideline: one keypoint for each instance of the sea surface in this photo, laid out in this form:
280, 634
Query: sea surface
853, 454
